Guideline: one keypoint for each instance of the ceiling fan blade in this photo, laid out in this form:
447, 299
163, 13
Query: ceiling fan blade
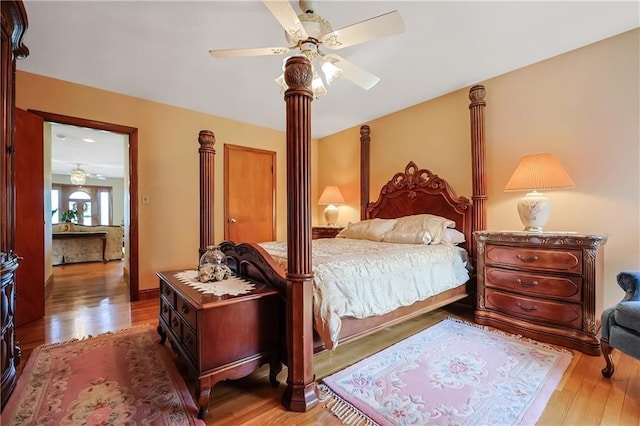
375, 28
288, 18
260, 51
351, 72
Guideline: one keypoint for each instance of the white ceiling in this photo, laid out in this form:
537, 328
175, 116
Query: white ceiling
158, 50
97, 152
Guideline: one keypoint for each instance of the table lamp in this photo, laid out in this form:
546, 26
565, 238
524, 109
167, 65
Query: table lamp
330, 197
533, 173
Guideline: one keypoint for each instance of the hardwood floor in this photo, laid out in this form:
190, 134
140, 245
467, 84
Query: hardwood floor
92, 298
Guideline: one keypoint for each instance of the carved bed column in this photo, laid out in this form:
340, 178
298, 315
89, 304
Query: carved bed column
365, 139
478, 167
207, 140
301, 393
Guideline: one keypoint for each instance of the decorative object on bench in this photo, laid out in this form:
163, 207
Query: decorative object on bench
213, 265
621, 323
451, 373
119, 378
73, 243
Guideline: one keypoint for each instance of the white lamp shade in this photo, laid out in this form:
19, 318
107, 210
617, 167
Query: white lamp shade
331, 195
539, 171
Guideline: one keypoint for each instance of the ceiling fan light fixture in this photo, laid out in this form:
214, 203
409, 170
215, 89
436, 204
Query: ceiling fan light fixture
280, 81
317, 86
331, 72
307, 32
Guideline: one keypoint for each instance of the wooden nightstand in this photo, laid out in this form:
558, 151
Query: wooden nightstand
546, 286
325, 232
219, 337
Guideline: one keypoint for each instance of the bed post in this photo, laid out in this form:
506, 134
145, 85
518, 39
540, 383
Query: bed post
479, 197
207, 153
301, 393
365, 133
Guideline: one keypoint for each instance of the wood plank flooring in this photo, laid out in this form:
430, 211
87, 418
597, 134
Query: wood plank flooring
92, 298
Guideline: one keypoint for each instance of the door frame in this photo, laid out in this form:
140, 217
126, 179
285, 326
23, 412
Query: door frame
132, 132
227, 189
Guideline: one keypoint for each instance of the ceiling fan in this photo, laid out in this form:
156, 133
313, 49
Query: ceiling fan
308, 32
78, 176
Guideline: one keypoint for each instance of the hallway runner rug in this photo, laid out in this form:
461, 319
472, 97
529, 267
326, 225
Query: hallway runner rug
121, 378
452, 373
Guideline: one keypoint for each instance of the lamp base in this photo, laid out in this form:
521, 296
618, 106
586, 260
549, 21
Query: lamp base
331, 215
534, 210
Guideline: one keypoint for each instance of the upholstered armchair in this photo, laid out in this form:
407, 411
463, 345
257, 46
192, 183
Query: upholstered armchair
621, 323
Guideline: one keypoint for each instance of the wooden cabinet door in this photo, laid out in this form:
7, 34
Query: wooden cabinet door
29, 236
250, 194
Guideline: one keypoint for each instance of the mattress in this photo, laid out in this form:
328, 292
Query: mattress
362, 278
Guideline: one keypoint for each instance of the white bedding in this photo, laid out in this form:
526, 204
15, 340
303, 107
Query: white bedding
362, 278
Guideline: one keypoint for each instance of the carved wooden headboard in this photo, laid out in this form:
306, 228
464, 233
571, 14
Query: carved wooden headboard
468, 218
416, 191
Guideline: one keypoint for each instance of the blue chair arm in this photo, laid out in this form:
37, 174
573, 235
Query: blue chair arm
629, 282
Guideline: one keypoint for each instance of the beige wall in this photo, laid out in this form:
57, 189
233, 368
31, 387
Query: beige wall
167, 163
583, 106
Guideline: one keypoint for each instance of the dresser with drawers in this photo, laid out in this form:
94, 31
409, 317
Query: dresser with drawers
545, 286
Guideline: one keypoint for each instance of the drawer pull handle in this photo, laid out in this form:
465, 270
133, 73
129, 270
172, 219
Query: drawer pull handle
526, 259
185, 308
164, 309
188, 340
524, 308
167, 291
527, 285
174, 322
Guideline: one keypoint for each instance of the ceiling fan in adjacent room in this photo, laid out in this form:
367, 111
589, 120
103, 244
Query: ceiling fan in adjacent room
78, 176
308, 32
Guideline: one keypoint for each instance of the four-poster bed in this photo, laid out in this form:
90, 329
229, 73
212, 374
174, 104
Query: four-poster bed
412, 191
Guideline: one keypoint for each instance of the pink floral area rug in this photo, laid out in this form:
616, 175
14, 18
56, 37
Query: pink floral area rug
453, 373
121, 378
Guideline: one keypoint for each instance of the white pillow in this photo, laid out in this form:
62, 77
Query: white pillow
453, 236
434, 225
370, 229
401, 237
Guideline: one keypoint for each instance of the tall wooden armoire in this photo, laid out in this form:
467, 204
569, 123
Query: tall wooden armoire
14, 25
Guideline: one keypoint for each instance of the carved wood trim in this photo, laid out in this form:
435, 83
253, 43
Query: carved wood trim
365, 142
207, 141
579, 241
14, 25
478, 165
132, 133
301, 393
420, 191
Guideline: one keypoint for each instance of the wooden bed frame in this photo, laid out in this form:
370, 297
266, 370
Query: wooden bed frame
412, 191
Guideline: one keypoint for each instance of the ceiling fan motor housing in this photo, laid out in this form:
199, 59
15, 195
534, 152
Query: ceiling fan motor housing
308, 6
315, 26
